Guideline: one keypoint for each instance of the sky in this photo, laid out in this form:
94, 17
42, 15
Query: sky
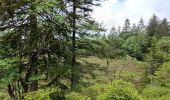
114, 12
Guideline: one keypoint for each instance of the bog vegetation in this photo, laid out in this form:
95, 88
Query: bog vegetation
54, 50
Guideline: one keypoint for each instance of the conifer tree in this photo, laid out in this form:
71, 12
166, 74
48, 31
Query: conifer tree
127, 27
153, 24
163, 28
141, 24
134, 29
113, 32
35, 38
78, 15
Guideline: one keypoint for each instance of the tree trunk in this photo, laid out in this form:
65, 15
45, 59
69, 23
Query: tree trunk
34, 86
34, 37
11, 91
73, 68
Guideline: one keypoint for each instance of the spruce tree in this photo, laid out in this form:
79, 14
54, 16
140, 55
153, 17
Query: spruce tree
127, 27
35, 33
113, 32
134, 29
141, 24
163, 28
126, 31
78, 13
153, 24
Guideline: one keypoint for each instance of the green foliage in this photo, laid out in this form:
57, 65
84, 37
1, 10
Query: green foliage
111, 48
152, 57
153, 24
116, 41
43, 41
4, 96
158, 53
163, 51
120, 90
162, 75
127, 26
163, 28
75, 96
95, 91
37, 95
152, 92
41, 94
9, 71
136, 46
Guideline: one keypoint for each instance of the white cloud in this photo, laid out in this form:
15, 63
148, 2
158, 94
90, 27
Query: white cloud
104, 13
114, 12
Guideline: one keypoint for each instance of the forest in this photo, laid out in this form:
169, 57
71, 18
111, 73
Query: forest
55, 50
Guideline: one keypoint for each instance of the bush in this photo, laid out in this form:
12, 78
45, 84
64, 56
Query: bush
75, 96
162, 75
37, 95
95, 90
120, 90
41, 94
156, 93
136, 46
4, 96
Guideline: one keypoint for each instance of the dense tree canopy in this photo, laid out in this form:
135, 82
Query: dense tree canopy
55, 50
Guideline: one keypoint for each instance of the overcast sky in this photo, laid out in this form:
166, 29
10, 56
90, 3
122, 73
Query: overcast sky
114, 12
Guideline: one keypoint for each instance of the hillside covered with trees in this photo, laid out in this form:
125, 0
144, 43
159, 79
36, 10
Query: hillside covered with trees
55, 50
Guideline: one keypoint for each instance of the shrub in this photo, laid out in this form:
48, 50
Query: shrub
75, 96
37, 95
136, 46
162, 75
95, 90
156, 93
41, 94
120, 90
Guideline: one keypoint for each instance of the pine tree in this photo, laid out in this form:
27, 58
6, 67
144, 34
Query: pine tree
113, 32
163, 28
141, 24
134, 29
119, 30
78, 12
126, 31
153, 24
127, 27
37, 34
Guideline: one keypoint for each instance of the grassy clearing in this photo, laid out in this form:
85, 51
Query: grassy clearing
130, 70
